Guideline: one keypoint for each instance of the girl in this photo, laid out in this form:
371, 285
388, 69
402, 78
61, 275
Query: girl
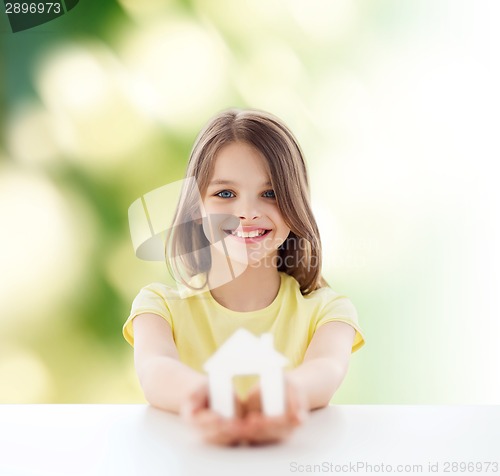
247, 247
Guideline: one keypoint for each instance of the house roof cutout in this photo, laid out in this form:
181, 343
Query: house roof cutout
243, 354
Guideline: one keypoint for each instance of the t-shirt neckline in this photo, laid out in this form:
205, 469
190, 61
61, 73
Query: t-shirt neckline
257, 312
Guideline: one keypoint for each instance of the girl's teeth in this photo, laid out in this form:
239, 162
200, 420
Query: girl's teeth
250, 234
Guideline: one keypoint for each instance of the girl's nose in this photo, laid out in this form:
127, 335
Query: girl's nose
247, 210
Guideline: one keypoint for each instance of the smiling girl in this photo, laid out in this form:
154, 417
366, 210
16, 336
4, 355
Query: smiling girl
245, 241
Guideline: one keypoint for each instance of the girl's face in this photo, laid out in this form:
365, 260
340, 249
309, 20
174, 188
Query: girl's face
240, 206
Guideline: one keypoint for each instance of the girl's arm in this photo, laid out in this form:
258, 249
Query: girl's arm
170, 385
325, 363
166, 382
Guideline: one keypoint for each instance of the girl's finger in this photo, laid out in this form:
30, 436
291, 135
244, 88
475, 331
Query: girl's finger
297, 404
240, 407
264, 430
218, 430
197, 400
253, 400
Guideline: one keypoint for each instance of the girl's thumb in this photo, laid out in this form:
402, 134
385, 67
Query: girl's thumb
196, 400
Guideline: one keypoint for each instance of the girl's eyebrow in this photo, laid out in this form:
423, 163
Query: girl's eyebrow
230, 182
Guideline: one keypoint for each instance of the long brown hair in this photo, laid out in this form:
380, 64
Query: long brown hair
187, 248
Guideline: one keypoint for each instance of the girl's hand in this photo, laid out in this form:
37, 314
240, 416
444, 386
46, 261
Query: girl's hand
214, 428
250, 424
261, 429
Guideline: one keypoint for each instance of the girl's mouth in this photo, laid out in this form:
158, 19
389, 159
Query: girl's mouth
248, 236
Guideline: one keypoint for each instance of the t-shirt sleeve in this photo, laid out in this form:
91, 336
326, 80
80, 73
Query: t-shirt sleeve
341, 309
151, 299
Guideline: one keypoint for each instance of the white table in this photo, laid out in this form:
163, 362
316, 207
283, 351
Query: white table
108, 440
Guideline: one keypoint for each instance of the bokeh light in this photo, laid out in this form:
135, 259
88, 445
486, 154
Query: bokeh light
23, 376
182, 66
93, 117
31, 120
325, 21
41, 254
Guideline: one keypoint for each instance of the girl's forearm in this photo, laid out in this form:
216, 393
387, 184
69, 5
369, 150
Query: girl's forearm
167, 382
320, 378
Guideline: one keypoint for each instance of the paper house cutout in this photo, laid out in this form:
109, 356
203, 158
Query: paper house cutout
245, 354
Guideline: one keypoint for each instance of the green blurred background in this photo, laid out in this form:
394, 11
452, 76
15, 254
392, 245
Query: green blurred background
396, 107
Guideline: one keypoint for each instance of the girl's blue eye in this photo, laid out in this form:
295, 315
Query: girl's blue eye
225, 194
229, 194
